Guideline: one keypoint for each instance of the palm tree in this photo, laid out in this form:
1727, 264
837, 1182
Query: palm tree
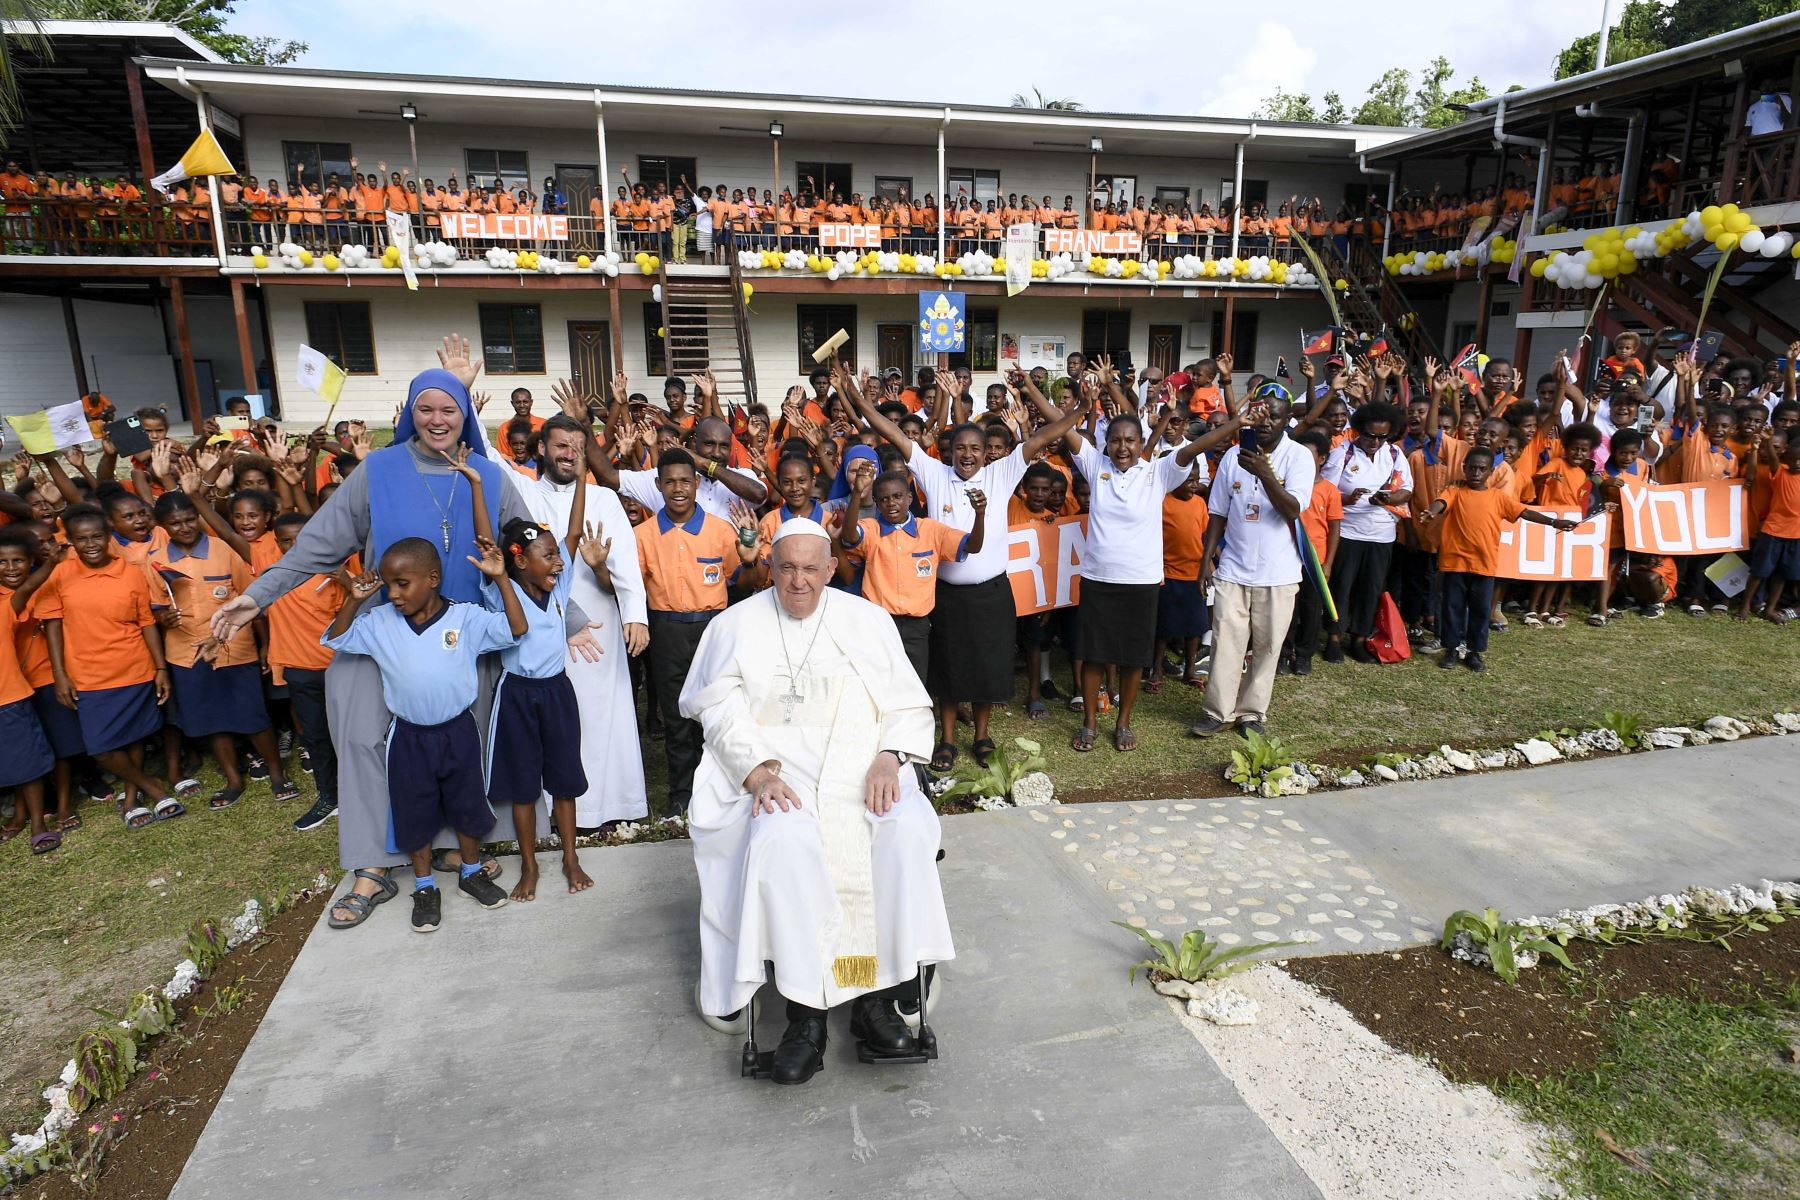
20, 22
1037, 99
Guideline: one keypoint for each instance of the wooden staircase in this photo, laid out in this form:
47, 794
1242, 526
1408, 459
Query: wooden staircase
1372, 303
706, 327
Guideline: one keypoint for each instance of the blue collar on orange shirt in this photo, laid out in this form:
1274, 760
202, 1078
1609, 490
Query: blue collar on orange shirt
201, 549
690, 526
911, 526
817, 513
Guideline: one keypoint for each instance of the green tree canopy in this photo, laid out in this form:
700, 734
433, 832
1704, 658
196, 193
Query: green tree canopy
1037, 99
204, 20
1391, 100
1646, 26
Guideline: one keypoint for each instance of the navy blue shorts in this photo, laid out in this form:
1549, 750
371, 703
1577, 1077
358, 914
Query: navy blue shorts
112, 718
61, 725
209, 699
27, 754
1181, 609
1775, 558
534, 740
434, 780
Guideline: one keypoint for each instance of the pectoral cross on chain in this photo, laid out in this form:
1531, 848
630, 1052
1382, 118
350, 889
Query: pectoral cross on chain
789, 699
445, 523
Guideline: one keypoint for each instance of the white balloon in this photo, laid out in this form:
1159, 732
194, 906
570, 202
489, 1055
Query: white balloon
1752, 241
612, 269
834, 273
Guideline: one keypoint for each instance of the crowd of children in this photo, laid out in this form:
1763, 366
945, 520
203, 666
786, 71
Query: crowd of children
115, 677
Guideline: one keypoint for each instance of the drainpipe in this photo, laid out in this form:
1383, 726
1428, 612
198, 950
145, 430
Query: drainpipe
1387, 226
1503, 139
942, 184
606, 211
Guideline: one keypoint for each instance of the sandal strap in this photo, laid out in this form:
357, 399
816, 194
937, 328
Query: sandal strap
386, 882
356, 902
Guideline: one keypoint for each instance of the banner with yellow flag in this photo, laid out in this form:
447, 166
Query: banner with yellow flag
204, 157
51, 429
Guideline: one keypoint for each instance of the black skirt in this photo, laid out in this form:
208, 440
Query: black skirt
972, 642
1181, 609
1118, 623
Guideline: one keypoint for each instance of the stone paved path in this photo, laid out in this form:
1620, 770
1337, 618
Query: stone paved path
1243, 871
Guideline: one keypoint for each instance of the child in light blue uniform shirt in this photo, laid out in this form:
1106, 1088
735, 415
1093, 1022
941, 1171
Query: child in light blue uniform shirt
428, 649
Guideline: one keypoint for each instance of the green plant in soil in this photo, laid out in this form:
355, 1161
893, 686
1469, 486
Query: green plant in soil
1196, 958
1004, 769
1629, 726
1691, 1099
1501, 940
1259, 759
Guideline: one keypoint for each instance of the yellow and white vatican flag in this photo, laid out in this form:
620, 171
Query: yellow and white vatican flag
204, 157
316, 373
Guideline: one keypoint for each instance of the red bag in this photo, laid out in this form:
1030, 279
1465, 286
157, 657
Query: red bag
1389, 643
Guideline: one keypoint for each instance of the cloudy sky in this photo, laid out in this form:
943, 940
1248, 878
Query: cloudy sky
1235, 59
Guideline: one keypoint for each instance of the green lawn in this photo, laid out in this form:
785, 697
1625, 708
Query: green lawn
107, 913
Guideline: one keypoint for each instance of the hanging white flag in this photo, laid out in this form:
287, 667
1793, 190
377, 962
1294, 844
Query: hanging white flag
400, 237
1021, 249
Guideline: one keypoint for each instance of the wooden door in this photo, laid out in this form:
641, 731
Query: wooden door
590, 359
578, 184
1165, 348
895, 344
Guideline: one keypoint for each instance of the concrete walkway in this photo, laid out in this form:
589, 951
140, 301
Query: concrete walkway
551, 1049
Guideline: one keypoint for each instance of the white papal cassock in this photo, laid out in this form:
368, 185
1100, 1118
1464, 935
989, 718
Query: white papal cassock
609, 733
821, 890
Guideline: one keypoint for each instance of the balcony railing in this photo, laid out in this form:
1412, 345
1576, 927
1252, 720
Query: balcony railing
1763, 170
105, 228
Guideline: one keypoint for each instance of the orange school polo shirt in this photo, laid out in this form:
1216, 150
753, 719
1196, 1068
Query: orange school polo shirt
298, 619
1184, 536
1471, 524
103, 613
1783, 520
686, 566
201, 579
29, 643
900, 562
14, 686
1326, 506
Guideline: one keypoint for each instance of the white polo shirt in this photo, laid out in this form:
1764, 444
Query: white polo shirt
1349, 468
710, 495
1124, 538
947, 500
1259, 548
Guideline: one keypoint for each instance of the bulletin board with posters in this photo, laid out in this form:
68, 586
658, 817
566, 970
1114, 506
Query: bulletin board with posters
1050, 351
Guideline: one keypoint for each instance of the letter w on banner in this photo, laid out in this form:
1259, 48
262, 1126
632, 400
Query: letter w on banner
1542, 553
1044, 564
1686, 518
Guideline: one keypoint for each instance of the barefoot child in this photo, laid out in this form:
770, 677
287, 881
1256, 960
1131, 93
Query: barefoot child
427, 649
534, 735
106, 654
1469, 554
28, 755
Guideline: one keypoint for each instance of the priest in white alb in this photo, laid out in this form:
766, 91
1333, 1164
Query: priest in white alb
614, 600
815, 847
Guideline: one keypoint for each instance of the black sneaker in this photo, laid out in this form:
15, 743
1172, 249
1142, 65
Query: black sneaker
306, 760
255, 767
1450, 661
284, 744
1303, 666
1206, 727
428, 909
1048, 690
323, 809
482, 890
1334, 652
1474, 662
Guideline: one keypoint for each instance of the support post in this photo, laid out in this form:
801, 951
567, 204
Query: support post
943, 187
1237, 215
618, 329
246, 355
74, 328
140, 120
1230, 315
606, 210
190, 383
1484, 298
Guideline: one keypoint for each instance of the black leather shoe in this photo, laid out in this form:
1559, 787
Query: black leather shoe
874, 1022
801, 1054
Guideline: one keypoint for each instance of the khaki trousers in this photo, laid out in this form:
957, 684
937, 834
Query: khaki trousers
1246, 618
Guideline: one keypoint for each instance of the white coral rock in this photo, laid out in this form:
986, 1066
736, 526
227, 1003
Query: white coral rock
1033, 790
1224, 1006
1537, 751
1726, 729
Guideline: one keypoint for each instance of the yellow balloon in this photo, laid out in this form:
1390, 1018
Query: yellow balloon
331, 262
1712, 214
1628, 266
647, 268
259, 261
1726, 209
306, 258
749, 291
1538, 266
659, 331
1726, 242
583, 261
1738, 222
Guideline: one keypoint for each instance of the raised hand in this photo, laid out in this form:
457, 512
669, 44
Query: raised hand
458, 458
977, 500
595, 545
454, 355
570, 400
1103, 366
479, 400
361, 586
621, 388
1224, 362
361, 442
742, 515
489, 562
